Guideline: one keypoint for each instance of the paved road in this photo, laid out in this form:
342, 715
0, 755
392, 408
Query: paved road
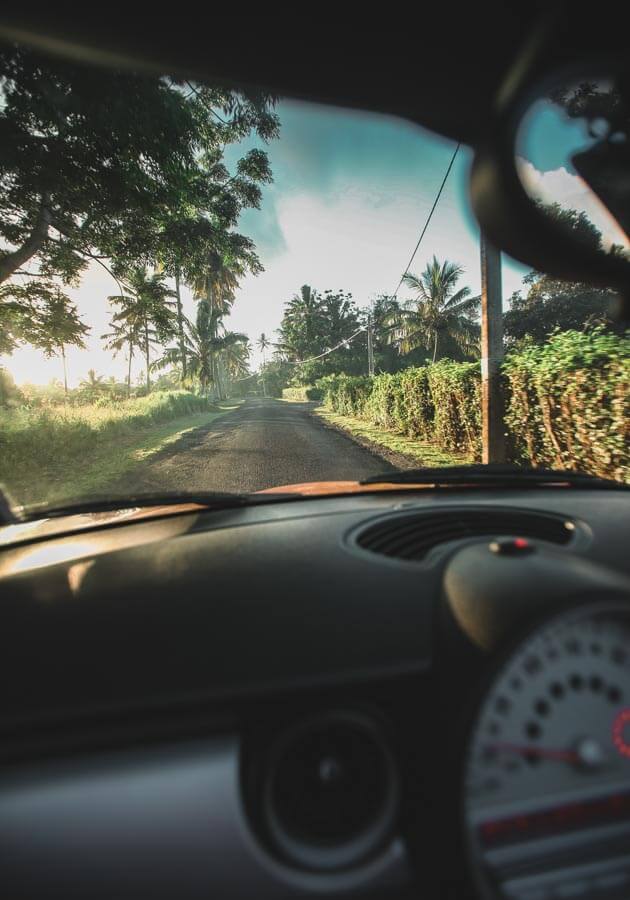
264, 443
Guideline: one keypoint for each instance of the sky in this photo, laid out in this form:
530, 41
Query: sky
350, 195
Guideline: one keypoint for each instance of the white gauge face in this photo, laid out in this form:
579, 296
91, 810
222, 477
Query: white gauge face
547, 785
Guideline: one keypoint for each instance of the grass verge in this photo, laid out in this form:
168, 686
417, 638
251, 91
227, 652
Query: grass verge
403, 451
106, 462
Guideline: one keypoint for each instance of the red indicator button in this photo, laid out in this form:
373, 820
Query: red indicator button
621, 732
512, 546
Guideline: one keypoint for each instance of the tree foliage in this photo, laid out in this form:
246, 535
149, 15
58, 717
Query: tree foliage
549, 304
40, 314
123, 168
315, 323
145, 315
438, 310
107, 162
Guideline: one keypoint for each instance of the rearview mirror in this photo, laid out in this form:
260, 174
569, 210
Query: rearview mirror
551, 184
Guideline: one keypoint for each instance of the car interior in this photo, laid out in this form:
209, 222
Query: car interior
414, 687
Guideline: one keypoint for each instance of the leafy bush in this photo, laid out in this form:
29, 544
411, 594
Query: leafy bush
306, 392
438, 402
567, 403
10, 394
346, 394
455, 390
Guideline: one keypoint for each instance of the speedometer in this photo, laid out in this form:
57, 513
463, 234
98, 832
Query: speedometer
547, 781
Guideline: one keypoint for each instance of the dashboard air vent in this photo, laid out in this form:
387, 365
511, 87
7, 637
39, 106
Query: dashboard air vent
331, 792
411, 536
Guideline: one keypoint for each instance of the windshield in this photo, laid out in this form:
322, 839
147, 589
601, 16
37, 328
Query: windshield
205, 288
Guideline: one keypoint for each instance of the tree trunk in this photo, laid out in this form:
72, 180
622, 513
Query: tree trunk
435, 345
65, 372
10, 262
146, 354
129, 370
219, 377
180, 326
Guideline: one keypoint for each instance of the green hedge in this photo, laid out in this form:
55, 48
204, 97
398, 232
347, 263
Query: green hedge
438, 402
306, 392
567, 403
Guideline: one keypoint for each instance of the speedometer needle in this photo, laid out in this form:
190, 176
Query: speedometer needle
569, 756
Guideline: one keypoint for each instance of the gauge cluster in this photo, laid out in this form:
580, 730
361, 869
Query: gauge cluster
547, 772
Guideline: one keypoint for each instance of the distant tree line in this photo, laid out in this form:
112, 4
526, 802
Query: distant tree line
440, 320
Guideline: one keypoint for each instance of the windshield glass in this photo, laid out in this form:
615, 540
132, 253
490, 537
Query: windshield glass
206, 288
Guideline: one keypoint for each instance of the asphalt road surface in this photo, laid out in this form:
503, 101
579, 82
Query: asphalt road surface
264, 443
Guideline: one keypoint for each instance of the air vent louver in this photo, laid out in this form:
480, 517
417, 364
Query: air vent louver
411, 536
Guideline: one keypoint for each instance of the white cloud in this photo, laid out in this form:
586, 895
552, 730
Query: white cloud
357, 236
571, 192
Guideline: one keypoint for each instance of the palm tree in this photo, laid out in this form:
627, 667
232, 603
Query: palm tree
93, 384
204, 351
232, 350
93, 381
301, 325
124, 335
215, 284
145, 316
263, 342
437, 310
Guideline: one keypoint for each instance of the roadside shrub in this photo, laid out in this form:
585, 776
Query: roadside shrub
438, 402
305, 392
345, 394
415, 411
569, 402
456, 396
381, 405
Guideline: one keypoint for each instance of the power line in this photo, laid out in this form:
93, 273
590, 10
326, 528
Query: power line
364, 328
426, 224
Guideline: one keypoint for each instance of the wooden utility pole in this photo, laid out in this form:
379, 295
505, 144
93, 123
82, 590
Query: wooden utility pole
370, 345
493, 428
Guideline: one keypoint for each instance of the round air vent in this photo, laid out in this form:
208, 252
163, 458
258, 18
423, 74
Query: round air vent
413, 535
331, 793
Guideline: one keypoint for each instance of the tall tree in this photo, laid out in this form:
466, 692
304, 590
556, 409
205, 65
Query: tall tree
204, 346
547, 303
324, 326
215, 282
123, 336
437, 310
263, 344
46, 318
301, 331
385, 310
145, 313
550, 304
99, 163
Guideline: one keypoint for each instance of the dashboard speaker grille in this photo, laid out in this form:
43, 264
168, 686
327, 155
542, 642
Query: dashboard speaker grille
412, 536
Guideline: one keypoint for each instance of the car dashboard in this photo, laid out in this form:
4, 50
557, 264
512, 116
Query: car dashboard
413, 693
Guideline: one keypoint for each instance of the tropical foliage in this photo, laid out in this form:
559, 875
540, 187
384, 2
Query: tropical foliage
210, 354
127, 172
144, 317
568, 403
438, 310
